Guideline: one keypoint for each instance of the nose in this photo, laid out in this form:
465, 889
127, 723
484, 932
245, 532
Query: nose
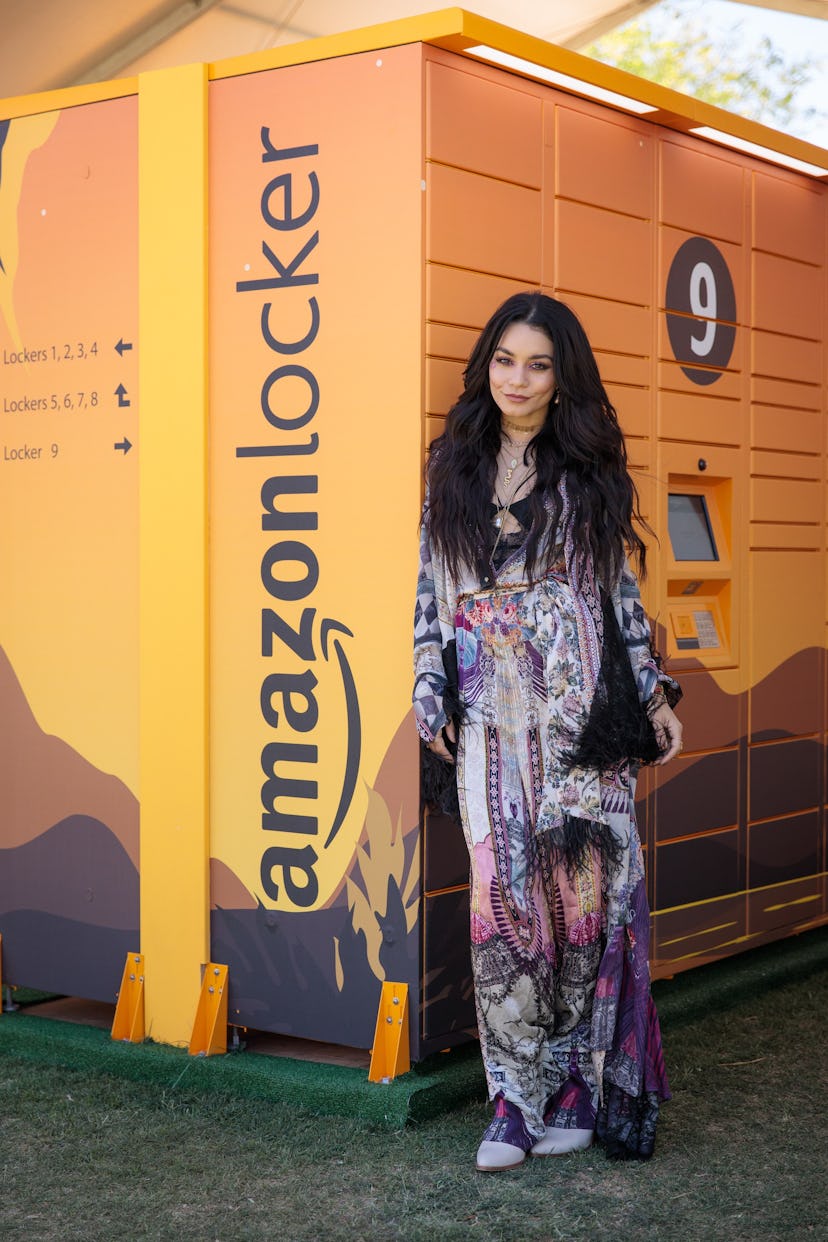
520, 377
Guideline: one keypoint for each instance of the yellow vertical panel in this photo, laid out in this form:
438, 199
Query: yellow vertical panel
488, 126
173, 577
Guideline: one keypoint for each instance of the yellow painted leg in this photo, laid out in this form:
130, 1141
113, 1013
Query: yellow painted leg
390, 1055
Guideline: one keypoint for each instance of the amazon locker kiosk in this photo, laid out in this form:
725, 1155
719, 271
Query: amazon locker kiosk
235, 305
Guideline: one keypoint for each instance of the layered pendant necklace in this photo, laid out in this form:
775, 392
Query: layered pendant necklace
504, 506
509, 489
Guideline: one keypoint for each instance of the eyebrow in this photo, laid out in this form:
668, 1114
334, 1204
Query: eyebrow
501, 349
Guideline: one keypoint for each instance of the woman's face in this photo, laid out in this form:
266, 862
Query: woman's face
521, 376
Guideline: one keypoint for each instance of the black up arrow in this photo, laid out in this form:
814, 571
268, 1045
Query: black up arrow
122, 345
121, 394
124, 446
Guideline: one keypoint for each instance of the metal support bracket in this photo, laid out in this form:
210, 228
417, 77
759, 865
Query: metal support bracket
209, 1036
128, 1024
390, 1054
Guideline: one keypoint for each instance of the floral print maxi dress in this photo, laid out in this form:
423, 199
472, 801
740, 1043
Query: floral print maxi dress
567, 1027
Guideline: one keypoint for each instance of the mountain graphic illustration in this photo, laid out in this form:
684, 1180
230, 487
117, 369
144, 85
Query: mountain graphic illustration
68, 859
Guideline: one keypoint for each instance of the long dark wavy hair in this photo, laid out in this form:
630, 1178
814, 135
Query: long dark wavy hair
580, 437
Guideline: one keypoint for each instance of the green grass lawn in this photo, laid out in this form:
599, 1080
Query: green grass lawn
742, 1150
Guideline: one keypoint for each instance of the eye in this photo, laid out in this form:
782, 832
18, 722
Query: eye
540, 366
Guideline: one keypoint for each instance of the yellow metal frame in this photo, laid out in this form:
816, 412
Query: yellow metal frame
209, 1037
128, 1024
172, 448
390, 1055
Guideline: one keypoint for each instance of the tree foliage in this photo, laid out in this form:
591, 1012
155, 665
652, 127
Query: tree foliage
671, 44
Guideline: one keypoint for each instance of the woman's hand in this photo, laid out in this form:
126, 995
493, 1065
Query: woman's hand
439, 744
668, 731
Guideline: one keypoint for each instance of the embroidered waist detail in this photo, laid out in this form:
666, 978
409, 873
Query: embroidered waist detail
501, 591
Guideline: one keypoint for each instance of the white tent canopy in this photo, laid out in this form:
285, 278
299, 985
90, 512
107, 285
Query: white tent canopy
47, 44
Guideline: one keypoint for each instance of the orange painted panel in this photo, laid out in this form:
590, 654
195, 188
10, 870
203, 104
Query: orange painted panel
773, 428
623, 369
701, 191
454, 295
787, 613
488, 127
785, 500
483, 224
788, 296
446, 341
786, 465
614, 325
639, 452
788, 217
790, 394
786, 357
444, 384
774, 536
619, 171
600, 253
632, 406
700, 417
671, 376
645, 484
435, 427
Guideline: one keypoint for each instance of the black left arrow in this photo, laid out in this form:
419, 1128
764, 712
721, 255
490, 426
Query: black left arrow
122, 345
124, 446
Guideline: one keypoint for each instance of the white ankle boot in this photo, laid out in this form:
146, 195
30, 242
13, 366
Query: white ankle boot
557, 1142
494, 1157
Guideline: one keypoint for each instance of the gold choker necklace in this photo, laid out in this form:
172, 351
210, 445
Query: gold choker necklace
508, 425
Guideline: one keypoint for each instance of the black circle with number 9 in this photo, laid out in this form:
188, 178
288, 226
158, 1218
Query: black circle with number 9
701, 310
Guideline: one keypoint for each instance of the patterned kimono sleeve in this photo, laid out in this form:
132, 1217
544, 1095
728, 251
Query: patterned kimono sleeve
635, 630
429, 671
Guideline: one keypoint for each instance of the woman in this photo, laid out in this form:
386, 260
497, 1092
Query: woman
525, 591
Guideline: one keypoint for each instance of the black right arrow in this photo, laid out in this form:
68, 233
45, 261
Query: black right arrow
124, 445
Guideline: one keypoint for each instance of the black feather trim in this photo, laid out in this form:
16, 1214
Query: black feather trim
571, 844
438, 779
618, 727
